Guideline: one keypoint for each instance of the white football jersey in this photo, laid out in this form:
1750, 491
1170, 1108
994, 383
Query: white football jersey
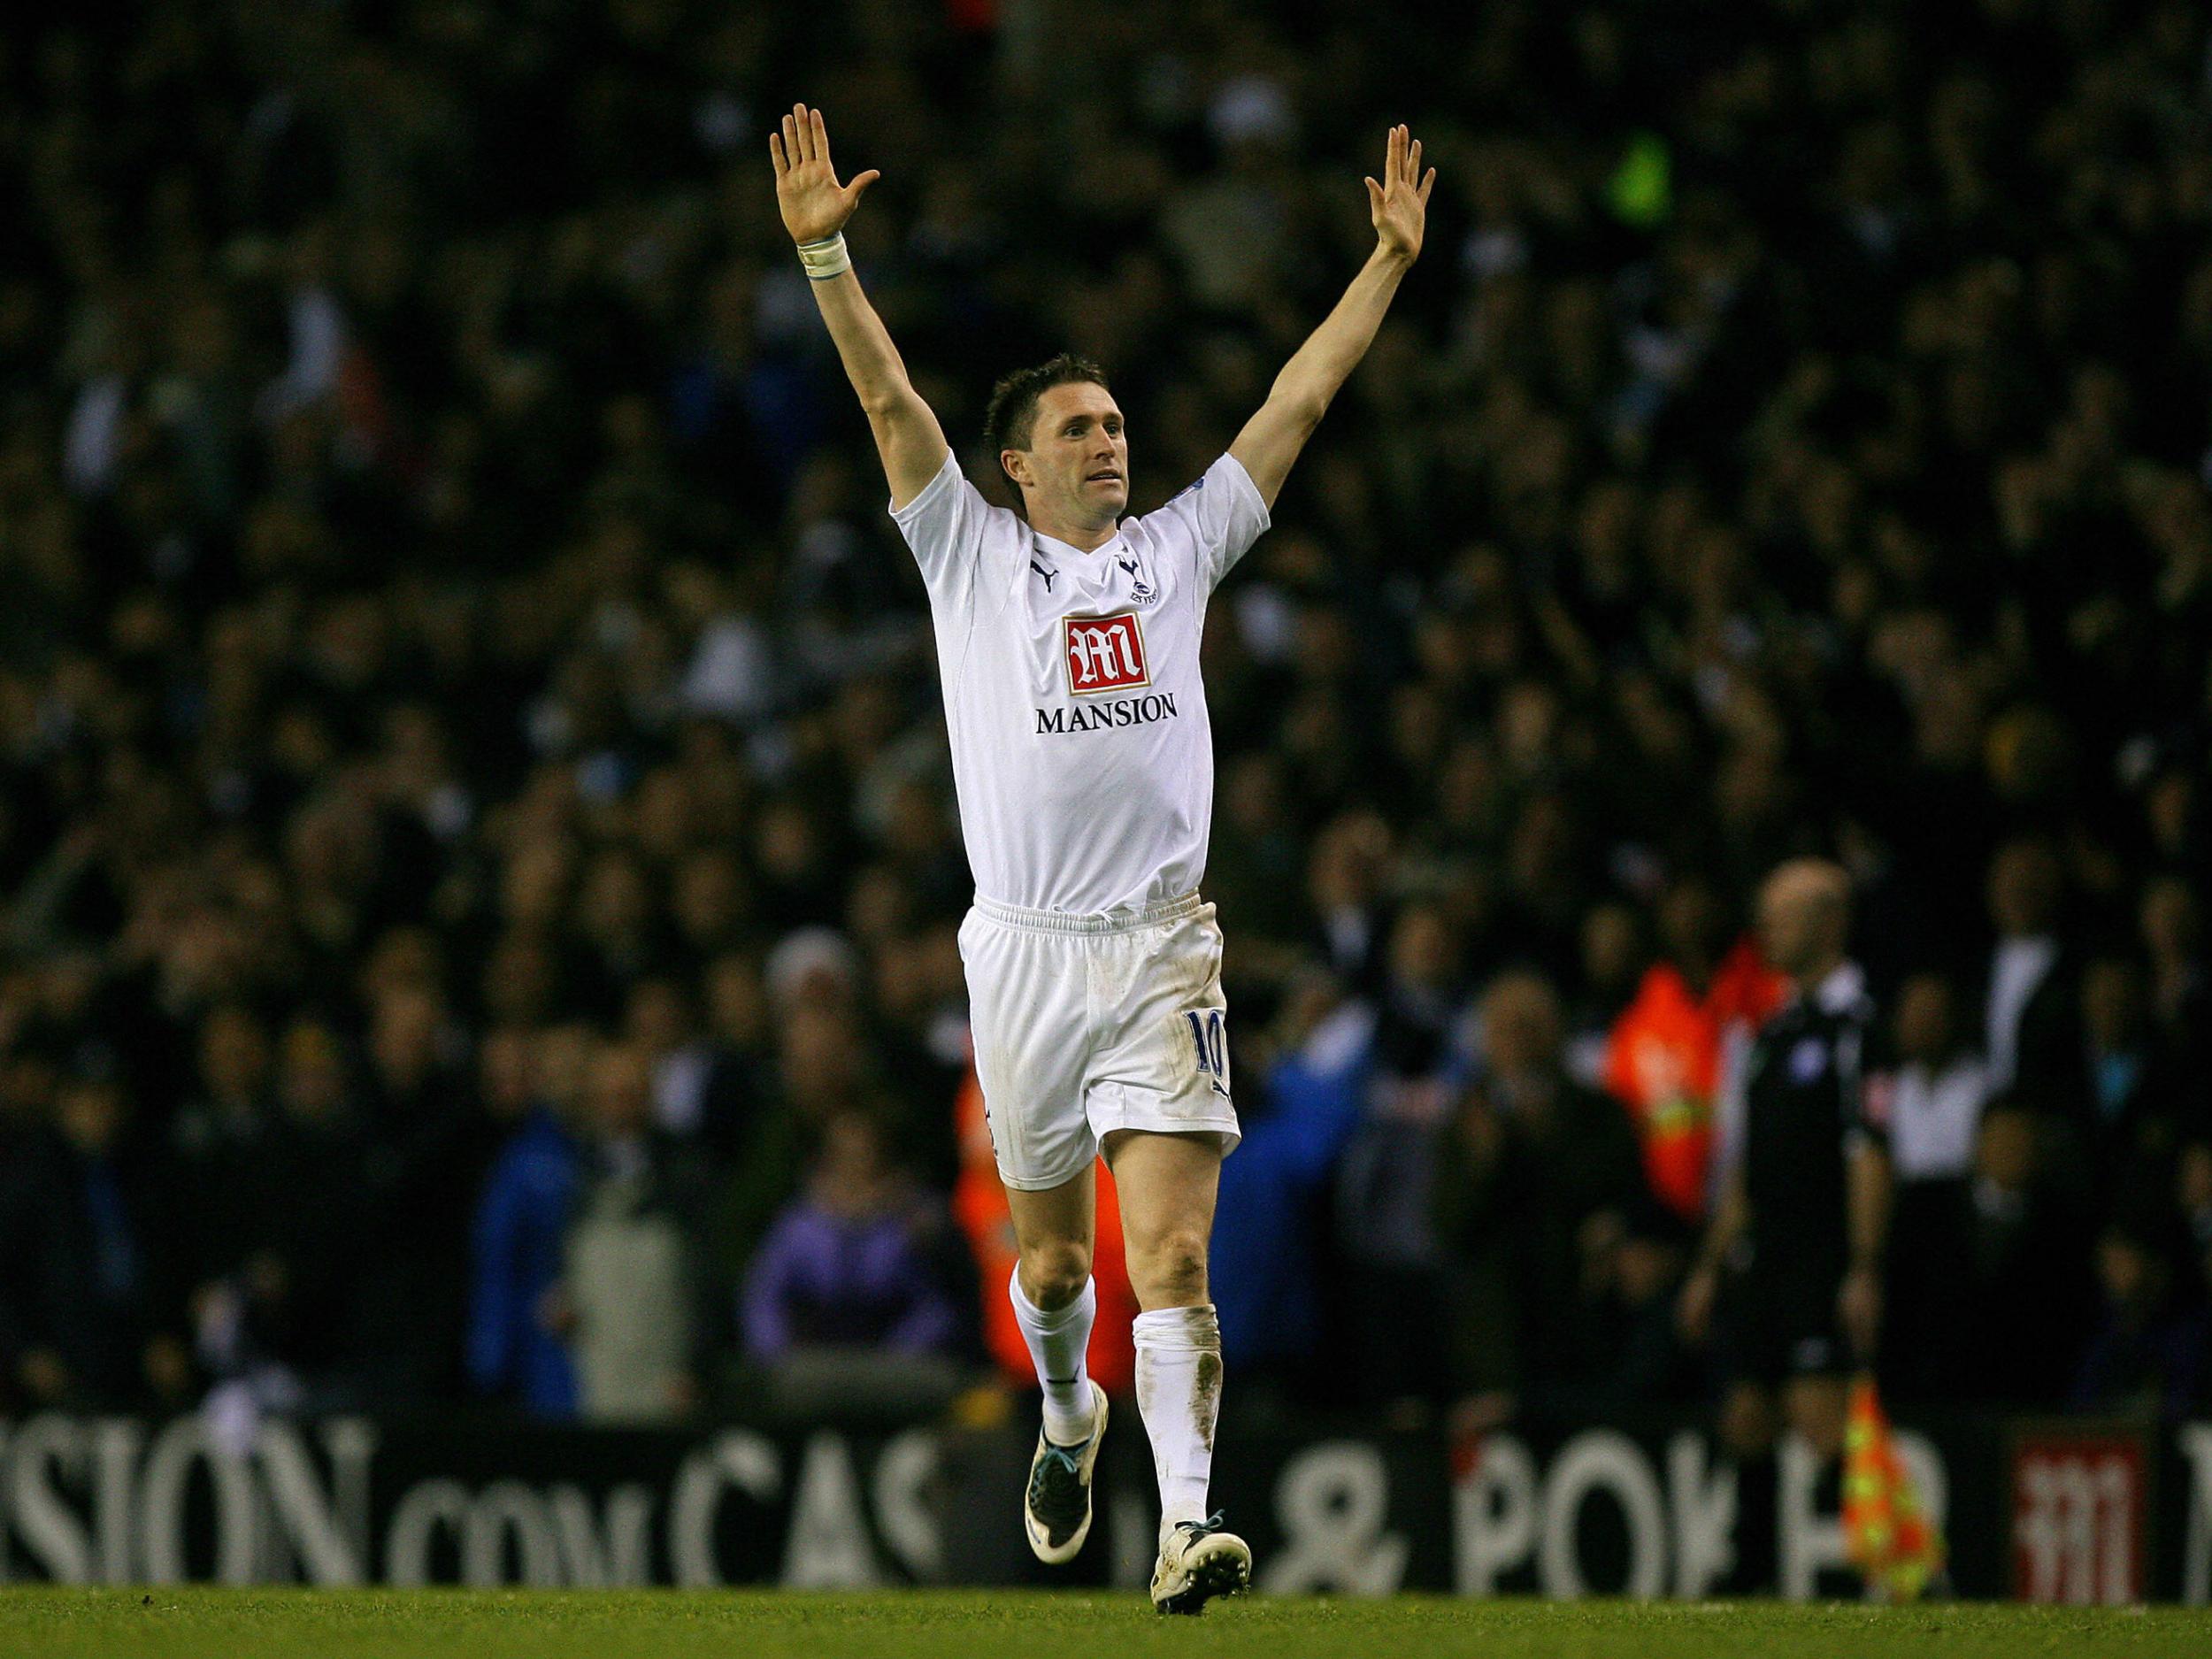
1080, 747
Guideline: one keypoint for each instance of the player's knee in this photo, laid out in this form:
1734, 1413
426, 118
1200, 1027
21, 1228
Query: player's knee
1175, 1268
1053, 1275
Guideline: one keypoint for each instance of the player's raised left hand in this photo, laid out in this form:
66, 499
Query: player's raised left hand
1399, 205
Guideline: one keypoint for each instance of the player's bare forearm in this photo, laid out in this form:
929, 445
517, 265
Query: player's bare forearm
1273, 438
1869, 1202
1398, 206
815, 207
908, 438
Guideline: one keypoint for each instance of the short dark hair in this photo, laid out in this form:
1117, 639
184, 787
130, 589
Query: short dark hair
1012, 411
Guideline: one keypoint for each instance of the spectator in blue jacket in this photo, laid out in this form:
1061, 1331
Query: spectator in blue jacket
514, 1349
1265, 1265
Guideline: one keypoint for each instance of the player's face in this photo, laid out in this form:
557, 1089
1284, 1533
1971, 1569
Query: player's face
1078, 455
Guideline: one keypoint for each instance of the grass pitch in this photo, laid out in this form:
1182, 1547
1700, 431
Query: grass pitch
216, 1624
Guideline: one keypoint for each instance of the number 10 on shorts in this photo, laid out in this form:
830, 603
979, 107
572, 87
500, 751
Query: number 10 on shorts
1209, 1038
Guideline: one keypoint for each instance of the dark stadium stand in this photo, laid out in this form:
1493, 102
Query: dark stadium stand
477, 854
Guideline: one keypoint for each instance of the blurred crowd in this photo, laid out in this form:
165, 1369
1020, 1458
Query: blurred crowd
478, 868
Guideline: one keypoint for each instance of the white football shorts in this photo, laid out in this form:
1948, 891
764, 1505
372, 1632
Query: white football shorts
1084, 1024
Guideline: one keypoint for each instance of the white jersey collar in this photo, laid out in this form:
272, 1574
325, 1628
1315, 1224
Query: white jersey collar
1053, 544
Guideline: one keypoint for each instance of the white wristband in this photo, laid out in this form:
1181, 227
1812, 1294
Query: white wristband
825, 258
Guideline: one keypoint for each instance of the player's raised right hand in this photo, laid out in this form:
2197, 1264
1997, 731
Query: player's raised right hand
814, 206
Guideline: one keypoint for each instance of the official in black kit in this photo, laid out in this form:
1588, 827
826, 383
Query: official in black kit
1793, 1256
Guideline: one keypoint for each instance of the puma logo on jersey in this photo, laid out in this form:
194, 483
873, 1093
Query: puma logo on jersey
1047, 574
1105, 654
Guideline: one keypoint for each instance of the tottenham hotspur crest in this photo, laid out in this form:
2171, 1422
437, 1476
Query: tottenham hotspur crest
1140, 591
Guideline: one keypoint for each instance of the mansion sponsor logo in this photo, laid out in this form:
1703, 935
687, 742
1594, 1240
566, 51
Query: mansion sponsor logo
1159, 705
1105, 654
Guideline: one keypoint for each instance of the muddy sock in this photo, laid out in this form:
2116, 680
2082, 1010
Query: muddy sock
1178, 1391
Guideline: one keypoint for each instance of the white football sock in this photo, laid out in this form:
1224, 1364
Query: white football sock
1178, 1391
1058, 1342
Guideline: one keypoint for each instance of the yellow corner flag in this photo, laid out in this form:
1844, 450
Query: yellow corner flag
1886, 1533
